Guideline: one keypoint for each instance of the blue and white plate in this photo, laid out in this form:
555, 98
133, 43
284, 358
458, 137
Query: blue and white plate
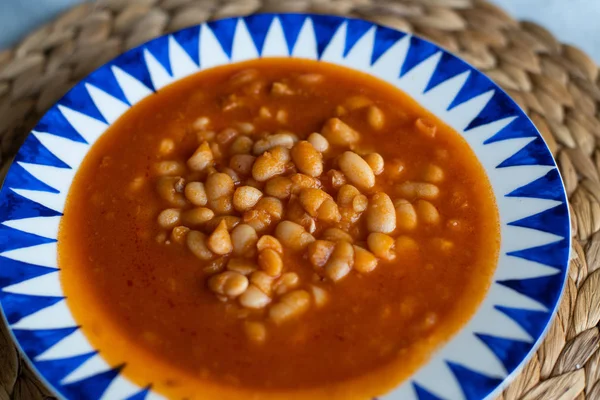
535, 232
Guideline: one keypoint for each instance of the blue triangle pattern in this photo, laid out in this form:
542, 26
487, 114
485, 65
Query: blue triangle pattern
548, 187
34, 152
534, 153
35, 342
509, 352
543, 289
384, 39
355, 30
159, 48
189, 40
19, 178
104, 79
553, 254
13, 206
520, 127
476, 84
54, 122
474, 385
325, 27
55, 370
96, 384
448, 67
423, 394
292, 25
12, 271
132, 62
550, 221
500, 106
258, 25
418, 51
533, 322
224, 31
141, 395
18, 306
11, 239
79, 99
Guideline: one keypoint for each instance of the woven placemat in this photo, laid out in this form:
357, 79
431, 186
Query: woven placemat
555, 83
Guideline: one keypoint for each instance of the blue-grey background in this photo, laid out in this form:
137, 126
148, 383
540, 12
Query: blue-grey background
571, 21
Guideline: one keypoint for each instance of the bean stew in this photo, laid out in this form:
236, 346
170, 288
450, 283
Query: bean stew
277, 228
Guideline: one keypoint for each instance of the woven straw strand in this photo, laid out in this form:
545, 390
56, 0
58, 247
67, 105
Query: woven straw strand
556, 84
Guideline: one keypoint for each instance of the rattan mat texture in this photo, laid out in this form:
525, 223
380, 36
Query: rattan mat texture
556, 84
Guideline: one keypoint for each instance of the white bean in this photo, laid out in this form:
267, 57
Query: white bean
286, 282
246, 197
242, 266
406, 216
244, 239
381, 245
293, 235
286, 140
229, 283
341, 261
364, 260
254, 298
268, 165
376, 162
318, 141
290, 305
339, 133
263, 281
357, 170
270, 261
197, 216
375, 117
269, 242
169, 218
242, 163
422, 190
319, 252
381, 215
307, 159
320, 295
196, 242
427, 212
219, 242
196, 193
202, 158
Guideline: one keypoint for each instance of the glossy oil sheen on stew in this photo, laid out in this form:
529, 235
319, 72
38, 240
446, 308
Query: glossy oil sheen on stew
146, 304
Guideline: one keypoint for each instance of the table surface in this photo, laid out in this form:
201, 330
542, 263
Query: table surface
571, 21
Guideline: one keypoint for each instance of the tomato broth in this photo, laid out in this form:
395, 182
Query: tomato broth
368, 270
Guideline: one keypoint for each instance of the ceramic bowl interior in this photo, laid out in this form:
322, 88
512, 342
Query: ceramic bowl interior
535, 228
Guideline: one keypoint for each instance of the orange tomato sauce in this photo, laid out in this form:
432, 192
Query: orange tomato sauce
145, 304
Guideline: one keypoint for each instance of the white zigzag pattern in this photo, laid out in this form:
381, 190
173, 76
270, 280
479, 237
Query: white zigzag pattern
134, 90
93, 366
44, 285
75, 344
466, 350
181, 63
56, 316
159, 75
110, 107
275, 45
243, 46
44, 255
42, 226
120, 388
